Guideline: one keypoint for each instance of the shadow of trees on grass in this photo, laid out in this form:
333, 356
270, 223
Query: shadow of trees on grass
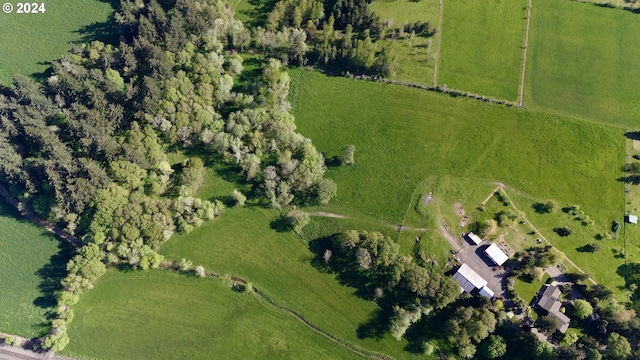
51, 274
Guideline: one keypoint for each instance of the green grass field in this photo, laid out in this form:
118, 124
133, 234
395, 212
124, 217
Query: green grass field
30, 41
589, 68
403, 136
242, 243
31, 266
158, 314
401, 12
482, 47
415, 56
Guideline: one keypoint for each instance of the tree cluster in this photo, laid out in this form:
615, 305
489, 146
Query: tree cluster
339, 33
372, 262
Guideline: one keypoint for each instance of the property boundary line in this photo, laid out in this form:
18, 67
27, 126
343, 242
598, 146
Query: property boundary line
524, 54
439, 35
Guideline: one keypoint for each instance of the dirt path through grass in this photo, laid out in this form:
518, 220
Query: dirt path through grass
524, 55
439, 36
233, 282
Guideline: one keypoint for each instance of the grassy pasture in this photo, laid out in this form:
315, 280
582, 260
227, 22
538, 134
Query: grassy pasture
415, 57
404, 135
601, 265
30, 41
482, 46
583, 62
242, 243
163, 315
401, 12
32, 264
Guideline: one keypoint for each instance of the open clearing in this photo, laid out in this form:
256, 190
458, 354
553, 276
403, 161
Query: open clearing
403, 135
158, 314
590, 67
31, 263
241, 243
30, 41
481, 49
415, 56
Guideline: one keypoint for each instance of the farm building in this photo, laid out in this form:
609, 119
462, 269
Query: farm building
632, 219
473, 238
549, 302
496, 255
470, 280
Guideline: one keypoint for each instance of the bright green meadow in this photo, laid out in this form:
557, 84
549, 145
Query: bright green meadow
583, 61
158, 314
404, 135
30, 41
242, 243
481, 49
31, 266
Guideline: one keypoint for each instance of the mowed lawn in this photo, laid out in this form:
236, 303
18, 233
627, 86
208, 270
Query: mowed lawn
159, 314
32, 264
242, 243
481, 49
29, 41
584, 61
404, 135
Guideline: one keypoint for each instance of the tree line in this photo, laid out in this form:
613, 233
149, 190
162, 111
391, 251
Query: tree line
87, 148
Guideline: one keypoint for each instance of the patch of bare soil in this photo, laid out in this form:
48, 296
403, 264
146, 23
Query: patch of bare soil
427, 198
327, 214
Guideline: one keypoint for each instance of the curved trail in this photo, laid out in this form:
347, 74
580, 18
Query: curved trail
353, 348
398, 227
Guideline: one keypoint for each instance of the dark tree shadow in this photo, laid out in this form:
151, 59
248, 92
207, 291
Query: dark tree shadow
51, 275
587, 248
259, 11
280, 224
630, 179
562, 231
376, 326
541, 208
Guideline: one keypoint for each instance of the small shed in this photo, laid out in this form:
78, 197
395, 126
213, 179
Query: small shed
632, 219
496, 255
473, 238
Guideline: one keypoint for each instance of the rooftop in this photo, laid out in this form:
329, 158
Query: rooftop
496, 255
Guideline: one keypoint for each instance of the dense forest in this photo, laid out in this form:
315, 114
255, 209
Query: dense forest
87, 150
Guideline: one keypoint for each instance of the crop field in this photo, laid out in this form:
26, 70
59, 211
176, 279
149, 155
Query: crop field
29, 41
163, 315
404, 135
481, 49
242, 243
31, 263
589, 68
